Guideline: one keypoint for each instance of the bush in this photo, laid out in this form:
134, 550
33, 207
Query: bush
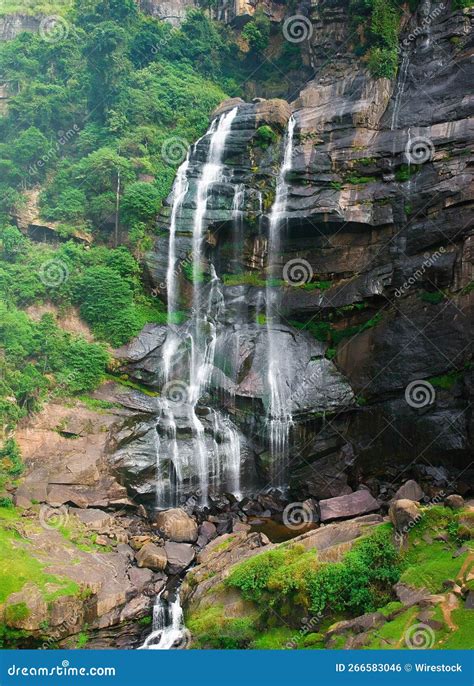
290, 577
140, 202
257, 33
101, 294
265, 136
10, 458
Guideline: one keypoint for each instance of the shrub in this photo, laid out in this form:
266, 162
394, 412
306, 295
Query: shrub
101, 294
10, 458
257, 32
265, 136
140, 202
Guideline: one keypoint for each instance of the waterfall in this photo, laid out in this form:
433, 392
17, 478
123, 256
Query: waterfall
278, 417
211, 173
401, 83
201, 331
168, 630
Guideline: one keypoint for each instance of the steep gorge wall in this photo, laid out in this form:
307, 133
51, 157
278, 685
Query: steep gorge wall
379, 211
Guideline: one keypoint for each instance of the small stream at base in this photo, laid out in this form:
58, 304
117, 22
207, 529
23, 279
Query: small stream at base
168, 630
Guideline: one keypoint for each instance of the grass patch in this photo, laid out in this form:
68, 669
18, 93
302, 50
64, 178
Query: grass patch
211, 628
406, 171
463, 638
446, 381
123, 380
274, 639
429, 564
391, 634
355, 180
18, 566
35, 7
291, 577
224, 545
432, 297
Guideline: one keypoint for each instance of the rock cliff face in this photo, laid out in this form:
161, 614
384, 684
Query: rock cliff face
378, 220
13, 24
172, 11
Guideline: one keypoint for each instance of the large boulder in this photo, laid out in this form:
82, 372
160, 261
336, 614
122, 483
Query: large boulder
410, 490
346, 506
455, 502
180, 556
152, 556
176, 525
404, 514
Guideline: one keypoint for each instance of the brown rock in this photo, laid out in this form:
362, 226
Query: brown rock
273, 112
176, 525
455, 502
180, 556
137, 542
91, 518
404, 514
59, 495
357, 625
346, 506
410, 490
152, 557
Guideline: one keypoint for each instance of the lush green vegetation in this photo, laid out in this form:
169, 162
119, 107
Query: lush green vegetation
327, 332
18, 566
282, 585
378, 24
287, 577
35, 7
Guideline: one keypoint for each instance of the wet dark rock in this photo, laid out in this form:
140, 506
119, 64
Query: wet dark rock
179, 556
346, 506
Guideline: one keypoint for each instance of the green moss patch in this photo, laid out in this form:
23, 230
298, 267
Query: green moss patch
212, 628
18, 566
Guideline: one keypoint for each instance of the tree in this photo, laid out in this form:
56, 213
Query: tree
107, 65
100, 293
257, 33
12, 241
30, 146
140, 202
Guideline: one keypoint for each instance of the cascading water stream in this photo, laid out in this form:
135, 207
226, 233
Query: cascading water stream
202, 328
278, 417
400, 90
168, 630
